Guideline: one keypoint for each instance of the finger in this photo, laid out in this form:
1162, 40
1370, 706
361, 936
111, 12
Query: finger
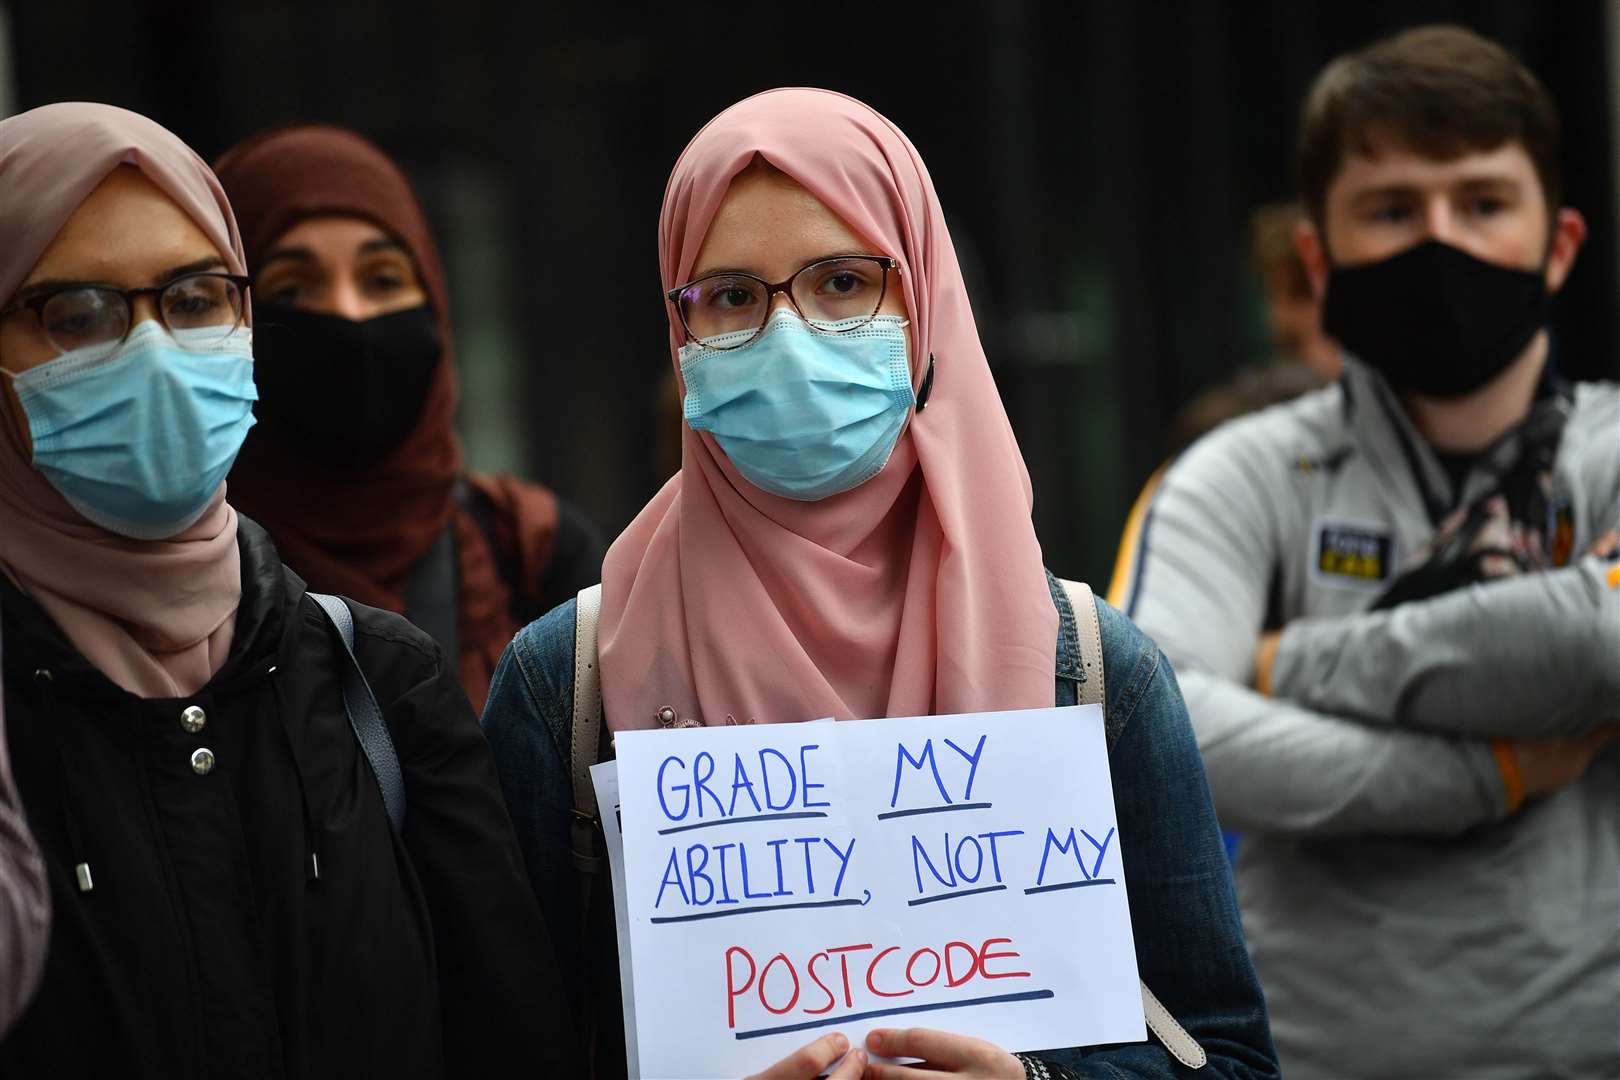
807, 1061
900, 1072
851, 1068
939, 1048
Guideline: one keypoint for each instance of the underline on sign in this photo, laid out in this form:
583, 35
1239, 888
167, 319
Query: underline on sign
850, 902
827, 1021
1070, 885
954, 895
740, 820
934, 810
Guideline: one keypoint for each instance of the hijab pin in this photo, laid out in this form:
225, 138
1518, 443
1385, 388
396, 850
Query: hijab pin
667, 718
927, 385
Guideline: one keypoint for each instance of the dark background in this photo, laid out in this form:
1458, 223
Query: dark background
1098, 163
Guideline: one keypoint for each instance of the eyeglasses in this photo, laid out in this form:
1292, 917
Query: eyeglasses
207, 307
837, 290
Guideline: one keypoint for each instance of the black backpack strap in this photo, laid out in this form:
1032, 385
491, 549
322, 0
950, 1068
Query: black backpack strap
365, 716
476, 505
433, 593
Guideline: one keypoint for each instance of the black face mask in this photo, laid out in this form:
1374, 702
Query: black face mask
339, 391
1433, 319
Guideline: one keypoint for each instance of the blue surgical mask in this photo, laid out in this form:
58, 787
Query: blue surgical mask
801, 413
139, 437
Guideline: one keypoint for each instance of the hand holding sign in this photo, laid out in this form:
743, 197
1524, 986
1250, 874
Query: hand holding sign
784, 880
811, 1061
940, 1053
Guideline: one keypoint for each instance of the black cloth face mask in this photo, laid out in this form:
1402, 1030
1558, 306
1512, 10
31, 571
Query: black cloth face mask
1433, 319
337, 391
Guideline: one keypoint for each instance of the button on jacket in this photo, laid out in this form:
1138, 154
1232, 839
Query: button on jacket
229, 898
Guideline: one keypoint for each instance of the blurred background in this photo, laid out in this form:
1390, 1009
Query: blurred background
1099, 164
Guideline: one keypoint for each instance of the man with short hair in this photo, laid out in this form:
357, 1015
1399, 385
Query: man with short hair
1393, 608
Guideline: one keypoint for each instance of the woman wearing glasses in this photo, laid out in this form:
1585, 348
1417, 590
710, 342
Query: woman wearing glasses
229, 895
850, 536
362, 485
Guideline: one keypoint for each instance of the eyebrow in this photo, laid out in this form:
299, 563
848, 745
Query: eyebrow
212, 262
1467, 183
754, 274
383, 243
305, 255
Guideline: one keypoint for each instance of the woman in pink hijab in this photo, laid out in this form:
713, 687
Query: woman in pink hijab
850, 536
230, 893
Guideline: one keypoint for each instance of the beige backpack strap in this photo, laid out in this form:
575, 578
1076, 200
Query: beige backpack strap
1090, 632
586, 743
1182, 1046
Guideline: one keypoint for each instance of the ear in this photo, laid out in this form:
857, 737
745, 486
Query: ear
1568, 234
1313, 253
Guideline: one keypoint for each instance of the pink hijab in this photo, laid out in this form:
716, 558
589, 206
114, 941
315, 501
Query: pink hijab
920, 592
155, 617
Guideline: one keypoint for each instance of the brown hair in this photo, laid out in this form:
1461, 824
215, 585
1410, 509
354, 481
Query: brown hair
1271, 246
1443, 91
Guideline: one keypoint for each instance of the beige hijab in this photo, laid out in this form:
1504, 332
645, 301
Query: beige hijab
155, 617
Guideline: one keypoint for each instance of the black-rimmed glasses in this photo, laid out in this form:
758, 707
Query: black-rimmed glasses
828, 291
204, 308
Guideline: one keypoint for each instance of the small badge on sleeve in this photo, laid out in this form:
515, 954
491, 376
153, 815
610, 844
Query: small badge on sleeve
1353, 554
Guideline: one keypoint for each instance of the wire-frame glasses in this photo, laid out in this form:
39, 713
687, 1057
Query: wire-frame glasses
833, 295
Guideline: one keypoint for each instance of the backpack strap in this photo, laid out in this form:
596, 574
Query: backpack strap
586, 744
1090, 634
522, 607
1182, 1046
365, 716
433, 592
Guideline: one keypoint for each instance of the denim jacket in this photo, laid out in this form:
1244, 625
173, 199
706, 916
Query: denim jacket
1189, 942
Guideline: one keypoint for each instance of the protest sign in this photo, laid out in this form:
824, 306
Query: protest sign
957, 872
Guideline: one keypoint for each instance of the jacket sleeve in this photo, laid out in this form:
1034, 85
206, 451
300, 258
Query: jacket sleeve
25, 899
1189, 939
499, 983
524, 720
1527, 656
1203, 567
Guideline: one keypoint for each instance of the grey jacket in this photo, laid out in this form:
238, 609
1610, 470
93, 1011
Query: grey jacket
1404, 924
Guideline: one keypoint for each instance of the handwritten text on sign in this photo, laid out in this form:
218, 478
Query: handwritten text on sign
957, 872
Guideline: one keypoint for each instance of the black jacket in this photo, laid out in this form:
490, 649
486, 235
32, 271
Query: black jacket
207, 945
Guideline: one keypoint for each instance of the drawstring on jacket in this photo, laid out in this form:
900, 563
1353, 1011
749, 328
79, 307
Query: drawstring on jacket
312, 859
45, 681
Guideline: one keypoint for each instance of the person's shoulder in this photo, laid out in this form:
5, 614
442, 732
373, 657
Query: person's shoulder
1276, 438
544, 649
393, 650
1132, 664
1290, 428
1589, 451
1595, 415
506, 488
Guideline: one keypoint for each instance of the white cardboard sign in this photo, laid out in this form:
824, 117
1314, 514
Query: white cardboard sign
782, 881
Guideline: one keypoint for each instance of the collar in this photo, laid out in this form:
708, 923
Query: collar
1392, 442
34, 642
1068, 643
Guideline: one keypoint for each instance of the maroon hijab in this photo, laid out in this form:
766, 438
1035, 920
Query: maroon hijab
357, 532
